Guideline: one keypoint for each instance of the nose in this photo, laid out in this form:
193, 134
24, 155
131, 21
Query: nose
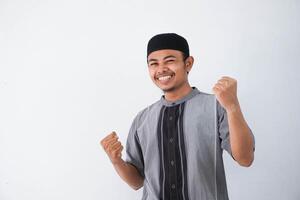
162, 68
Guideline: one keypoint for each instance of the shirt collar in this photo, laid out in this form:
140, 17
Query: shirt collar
181, 100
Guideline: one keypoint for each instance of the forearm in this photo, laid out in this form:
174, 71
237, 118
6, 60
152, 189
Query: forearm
240, 136
129, 174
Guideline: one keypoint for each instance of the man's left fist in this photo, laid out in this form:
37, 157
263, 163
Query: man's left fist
226, 92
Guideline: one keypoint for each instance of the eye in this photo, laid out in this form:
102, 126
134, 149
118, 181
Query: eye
170, 61
152, 64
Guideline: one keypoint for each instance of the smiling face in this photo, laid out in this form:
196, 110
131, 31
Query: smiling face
168, 70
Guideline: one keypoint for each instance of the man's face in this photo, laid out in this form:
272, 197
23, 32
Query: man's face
167, 69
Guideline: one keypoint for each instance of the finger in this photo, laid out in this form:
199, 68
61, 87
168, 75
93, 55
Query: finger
220, 86
216, 89
118, 151
223, 81
112, 139
110, 143
111, 135
115, 146
224, 84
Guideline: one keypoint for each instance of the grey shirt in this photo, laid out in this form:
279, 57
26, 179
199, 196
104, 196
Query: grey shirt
177, 147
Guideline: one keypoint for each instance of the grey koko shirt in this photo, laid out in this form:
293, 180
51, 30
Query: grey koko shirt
177, 146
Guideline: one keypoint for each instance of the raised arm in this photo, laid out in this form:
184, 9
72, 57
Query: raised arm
241, 140
126, 171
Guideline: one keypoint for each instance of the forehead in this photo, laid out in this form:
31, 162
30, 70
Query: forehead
161, 54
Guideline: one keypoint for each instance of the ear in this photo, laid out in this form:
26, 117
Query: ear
189, 63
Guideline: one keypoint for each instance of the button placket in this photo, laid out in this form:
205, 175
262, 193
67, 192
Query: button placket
171, 145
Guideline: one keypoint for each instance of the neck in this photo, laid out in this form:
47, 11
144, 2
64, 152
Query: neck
178, 93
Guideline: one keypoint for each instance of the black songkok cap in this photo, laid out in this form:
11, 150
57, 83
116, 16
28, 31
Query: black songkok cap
168, 41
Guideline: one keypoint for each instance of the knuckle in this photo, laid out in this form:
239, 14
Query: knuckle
102, 142
106, 149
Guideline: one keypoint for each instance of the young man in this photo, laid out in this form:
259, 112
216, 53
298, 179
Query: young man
174, 146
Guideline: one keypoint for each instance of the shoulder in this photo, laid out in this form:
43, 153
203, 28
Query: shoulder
204, 98
208, 100
143, 114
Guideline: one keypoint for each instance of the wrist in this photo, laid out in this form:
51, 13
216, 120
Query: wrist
117, 162
232, 108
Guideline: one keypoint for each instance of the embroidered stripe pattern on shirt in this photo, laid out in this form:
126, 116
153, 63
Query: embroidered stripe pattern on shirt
173, 164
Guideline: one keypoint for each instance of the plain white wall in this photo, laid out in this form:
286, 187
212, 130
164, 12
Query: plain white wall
73, 71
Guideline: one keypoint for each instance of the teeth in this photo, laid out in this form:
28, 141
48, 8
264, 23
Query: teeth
164, 78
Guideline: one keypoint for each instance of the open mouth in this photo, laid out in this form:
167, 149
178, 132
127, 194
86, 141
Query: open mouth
165, 79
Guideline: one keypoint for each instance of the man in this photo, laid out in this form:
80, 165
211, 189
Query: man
174, 146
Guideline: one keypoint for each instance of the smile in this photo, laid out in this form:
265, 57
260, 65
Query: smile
165, 79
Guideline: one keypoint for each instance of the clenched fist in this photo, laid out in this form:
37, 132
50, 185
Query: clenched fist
226, 93
112, 147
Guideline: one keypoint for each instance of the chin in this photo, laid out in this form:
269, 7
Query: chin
168, 89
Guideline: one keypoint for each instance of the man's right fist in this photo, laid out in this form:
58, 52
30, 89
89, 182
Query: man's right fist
112, 147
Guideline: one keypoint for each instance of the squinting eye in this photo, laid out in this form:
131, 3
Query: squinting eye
169, 61
153, 64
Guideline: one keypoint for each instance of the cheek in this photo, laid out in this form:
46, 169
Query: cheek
180, 73
151, 74
173, 67
176, 69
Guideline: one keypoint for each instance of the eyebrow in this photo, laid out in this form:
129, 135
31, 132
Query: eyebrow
153, 59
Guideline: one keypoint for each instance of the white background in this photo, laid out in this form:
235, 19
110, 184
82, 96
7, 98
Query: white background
73, 71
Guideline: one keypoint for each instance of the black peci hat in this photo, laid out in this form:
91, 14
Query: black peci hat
168, 41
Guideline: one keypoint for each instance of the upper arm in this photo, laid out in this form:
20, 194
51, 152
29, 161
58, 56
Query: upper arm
134, 154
